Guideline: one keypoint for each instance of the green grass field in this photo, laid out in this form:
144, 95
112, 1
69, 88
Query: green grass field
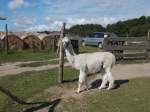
36, 55
27, 84
130, 97
26, 55
37, 64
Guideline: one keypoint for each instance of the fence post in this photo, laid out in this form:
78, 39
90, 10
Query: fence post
105, 44
148, 40
61, 56
6, 40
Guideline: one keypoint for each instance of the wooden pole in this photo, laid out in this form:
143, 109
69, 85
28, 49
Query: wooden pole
6, 40
61, 56
148, 47
148, 34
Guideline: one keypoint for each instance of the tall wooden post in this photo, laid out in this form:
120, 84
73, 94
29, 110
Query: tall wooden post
6, 40
148, 40
148, 34
61, 56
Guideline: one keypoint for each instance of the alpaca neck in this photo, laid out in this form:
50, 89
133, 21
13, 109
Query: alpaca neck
70, 54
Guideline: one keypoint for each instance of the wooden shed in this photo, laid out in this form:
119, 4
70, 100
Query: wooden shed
32, 41
14, 42
50, 41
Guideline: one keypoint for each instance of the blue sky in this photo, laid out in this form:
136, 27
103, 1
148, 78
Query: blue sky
37, 15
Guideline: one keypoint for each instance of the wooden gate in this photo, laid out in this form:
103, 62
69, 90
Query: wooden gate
128, 47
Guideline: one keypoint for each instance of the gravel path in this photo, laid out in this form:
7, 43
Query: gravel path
13, 68
120, 71
128, 71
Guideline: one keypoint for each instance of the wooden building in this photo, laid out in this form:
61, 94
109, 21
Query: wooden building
50, 41
14, 42
32, 42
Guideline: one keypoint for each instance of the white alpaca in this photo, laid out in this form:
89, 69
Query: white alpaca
89, 63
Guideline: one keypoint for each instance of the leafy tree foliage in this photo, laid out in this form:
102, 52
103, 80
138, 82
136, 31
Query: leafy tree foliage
133, 27
86, 29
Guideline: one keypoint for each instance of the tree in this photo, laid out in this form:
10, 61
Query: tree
86, 29
134, 27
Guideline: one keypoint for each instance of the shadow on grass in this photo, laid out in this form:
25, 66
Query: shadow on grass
49, 105
118, 83
72, 80
41, 105
95, 84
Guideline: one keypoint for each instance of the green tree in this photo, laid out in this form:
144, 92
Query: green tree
134, 27
86, 29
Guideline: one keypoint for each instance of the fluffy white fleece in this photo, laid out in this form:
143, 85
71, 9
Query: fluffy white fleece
89, 63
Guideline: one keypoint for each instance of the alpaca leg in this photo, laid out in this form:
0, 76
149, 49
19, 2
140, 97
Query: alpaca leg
79, 87
86, 84
82, 78
110, 79
104, 81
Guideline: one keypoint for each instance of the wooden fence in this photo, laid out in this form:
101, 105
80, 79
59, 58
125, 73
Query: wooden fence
128, 47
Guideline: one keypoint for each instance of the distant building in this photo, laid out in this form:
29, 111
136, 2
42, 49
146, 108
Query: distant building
14, 42
32, 42
50, 41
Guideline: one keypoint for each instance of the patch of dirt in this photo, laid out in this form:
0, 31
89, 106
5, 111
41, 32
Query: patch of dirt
13, 68
63, 92
129, 71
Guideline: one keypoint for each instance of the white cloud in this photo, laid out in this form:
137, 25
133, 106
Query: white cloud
56, 25
23, 20
101, 20
17, 3
47, 18
41, 27
53, 26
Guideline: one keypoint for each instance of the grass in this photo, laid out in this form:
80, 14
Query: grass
26, 55
83, 49
130, 97
37, 64
35, 55
27, 84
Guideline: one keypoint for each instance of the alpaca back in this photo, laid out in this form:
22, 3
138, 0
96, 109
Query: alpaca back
92, 62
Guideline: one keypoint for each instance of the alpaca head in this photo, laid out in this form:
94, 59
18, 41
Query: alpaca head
66, 42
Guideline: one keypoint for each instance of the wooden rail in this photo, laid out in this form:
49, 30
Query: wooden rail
128, 47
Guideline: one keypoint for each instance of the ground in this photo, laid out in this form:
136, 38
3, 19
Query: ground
36, 81
120, 71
